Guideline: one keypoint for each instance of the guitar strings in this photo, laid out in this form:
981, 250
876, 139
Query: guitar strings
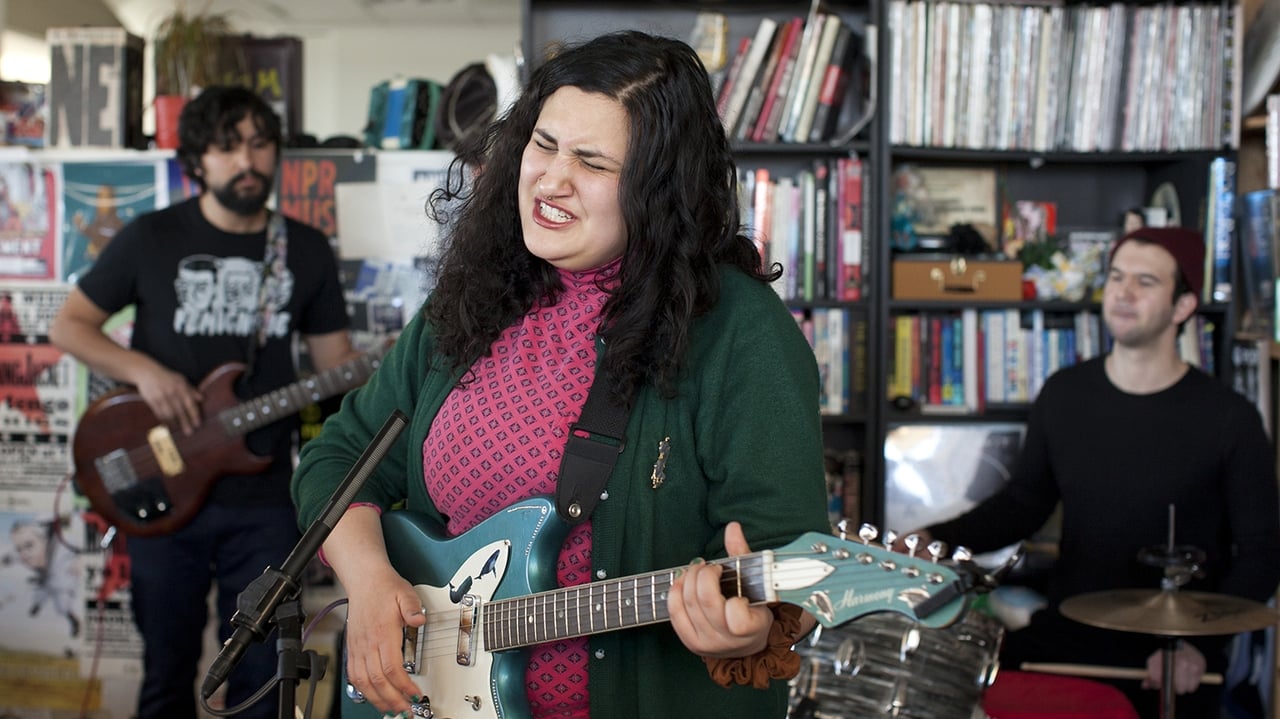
561, 613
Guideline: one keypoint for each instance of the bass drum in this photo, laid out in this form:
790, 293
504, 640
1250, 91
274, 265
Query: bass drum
885, 665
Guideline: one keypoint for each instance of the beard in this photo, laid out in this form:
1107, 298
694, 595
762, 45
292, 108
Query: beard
243, 204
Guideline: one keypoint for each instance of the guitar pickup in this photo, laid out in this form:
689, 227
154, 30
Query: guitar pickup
468, 611
116, 470
166, 451
411, 647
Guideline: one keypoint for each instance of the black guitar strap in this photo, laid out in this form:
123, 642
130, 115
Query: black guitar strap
595, 441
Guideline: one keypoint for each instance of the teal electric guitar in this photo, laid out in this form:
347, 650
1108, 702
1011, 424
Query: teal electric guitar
489, 593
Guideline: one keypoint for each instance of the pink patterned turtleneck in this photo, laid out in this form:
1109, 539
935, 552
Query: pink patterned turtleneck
500, 439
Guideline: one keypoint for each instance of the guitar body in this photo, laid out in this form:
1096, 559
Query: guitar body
156, 502
511, 554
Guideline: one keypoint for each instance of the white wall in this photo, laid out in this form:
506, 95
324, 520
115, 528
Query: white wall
339, 67
23, 57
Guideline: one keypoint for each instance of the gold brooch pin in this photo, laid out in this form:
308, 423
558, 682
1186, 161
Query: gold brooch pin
659, 474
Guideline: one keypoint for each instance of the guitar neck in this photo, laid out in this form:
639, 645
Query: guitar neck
290, 399
608, 606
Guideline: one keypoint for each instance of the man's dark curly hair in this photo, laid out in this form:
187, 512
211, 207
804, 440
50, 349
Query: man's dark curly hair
679, 200
211, 118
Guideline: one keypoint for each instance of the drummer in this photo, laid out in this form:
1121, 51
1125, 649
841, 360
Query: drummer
1117, 440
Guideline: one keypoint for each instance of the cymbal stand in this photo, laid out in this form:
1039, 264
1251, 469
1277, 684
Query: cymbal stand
1180, 563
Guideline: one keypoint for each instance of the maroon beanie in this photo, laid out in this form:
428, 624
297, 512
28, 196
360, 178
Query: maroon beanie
1186, 246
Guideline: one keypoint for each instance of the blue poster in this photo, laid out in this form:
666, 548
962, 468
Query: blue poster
100, 198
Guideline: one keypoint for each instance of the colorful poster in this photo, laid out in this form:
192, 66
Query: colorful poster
38, 391
100, 198
64, 652
108, 608
307, 179
27, 225
181, 187
42, 578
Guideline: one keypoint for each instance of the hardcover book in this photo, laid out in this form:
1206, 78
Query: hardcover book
1258, 238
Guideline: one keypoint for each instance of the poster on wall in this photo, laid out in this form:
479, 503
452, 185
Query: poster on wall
42, 576
306, 188
180, 186
39, 390
28, 234
100, 198
110, 634
62, 651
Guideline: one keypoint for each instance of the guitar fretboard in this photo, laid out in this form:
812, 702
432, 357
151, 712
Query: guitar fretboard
290, 399
605, 606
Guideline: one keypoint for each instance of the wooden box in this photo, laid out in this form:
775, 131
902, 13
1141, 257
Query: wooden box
957, 278
95, 88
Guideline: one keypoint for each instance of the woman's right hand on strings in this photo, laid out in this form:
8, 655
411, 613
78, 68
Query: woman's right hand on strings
381, 604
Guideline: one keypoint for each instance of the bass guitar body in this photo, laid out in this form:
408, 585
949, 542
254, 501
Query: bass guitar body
147, 478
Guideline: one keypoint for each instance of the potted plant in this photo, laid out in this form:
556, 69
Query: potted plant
188, 56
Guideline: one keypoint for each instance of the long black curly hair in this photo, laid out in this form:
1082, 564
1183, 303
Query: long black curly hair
679, 200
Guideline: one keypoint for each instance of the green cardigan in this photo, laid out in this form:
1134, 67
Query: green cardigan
745, 443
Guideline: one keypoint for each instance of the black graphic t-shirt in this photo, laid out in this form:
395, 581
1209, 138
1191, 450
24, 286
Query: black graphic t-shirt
195, 290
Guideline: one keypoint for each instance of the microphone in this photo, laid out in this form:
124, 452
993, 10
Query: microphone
256, 605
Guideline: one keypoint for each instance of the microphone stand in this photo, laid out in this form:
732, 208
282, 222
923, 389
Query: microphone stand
274, 597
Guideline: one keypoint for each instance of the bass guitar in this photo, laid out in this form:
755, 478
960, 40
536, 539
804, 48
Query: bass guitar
488, 594
149, 479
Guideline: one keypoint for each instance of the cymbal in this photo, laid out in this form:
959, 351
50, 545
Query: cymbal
1170, 613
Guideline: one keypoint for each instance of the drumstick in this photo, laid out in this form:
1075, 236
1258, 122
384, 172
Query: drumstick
1094, 670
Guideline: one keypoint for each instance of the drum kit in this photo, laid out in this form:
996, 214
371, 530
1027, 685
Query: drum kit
884, 665
1170, 612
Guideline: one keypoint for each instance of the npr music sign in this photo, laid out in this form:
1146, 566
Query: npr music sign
95, 88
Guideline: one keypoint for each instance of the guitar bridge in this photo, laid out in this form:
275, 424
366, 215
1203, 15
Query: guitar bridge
116, 470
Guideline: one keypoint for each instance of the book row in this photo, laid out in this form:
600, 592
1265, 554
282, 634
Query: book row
811, 222
795, 80
1052, 77
963, 361
839, 340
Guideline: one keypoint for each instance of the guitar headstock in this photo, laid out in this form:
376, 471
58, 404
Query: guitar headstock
838, 580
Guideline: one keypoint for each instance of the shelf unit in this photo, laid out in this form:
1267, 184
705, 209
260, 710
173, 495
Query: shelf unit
1092, 189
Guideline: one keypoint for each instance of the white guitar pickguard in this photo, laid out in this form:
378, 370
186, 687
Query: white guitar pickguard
456, 691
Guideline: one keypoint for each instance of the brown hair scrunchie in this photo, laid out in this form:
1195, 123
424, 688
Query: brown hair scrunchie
775, 661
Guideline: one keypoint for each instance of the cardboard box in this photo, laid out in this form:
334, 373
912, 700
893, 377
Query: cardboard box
956, 278
95, 88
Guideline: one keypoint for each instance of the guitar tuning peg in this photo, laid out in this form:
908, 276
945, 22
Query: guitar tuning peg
937, 549
842, 528
962, 554
911, 541
868, 533
890, 537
